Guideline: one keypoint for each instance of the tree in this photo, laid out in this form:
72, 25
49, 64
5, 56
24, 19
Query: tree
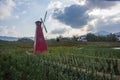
75, 37
25, 40
91, 37
57, 39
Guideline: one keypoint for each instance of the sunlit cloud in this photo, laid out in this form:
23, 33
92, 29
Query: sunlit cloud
6, 7
54, 4
9, 31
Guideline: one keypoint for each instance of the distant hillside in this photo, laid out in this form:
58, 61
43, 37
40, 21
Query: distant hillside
7, 38
117, 34
102, 33
25, 39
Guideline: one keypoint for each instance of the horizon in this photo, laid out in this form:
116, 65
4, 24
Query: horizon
17, 18
63, 35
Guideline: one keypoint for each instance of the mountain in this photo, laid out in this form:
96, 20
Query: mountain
7, 38
32, 38
102, 33
117, 34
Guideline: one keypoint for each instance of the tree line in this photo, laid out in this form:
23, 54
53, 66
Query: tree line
109, 38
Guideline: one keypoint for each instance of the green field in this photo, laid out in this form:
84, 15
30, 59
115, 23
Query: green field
64, 60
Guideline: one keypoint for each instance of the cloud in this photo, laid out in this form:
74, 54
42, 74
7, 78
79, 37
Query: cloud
24, 12
54, 4
8, 31
112, 0
6, 7
100, 3
74, 16
96, 3
80, 2
58, 31
108, 25
80, 15
17, 17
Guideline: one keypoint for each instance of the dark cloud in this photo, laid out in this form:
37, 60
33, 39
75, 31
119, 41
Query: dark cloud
100, 3
74, 16
112, 0
90, 28
59, 31
102, 25
108, 26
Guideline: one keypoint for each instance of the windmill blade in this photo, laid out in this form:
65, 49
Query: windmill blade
44, 25
45, 16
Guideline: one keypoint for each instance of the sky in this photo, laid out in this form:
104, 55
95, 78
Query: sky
65, 17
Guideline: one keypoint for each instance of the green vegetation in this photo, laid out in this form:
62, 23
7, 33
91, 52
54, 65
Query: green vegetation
108, 38
64, 60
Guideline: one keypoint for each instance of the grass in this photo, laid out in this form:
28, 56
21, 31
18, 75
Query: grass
63, 60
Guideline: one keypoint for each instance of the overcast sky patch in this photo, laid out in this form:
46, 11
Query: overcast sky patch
58, 31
